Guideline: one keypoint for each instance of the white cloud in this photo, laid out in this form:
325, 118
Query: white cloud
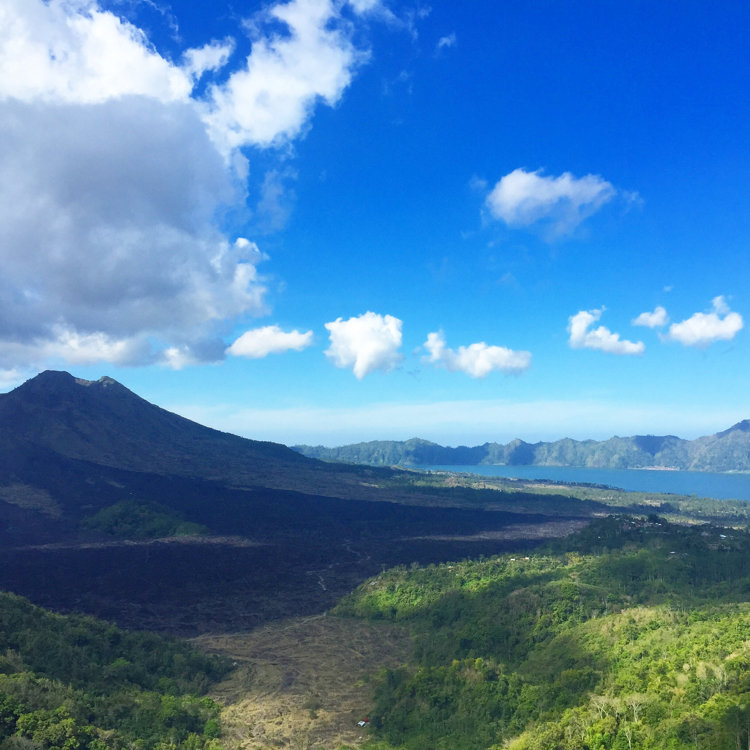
366, 343
127, 246
74, 52
84, 349
114, 176
446, 41
11, 378
654, 319
70, 346
179, 357
271, 98
601, 338
702, 329
210, 57
364, 6
260, 342
477, 360
523, 198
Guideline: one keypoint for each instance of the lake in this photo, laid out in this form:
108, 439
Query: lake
700, 483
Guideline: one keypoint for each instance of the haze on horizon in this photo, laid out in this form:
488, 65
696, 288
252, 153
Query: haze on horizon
326, 222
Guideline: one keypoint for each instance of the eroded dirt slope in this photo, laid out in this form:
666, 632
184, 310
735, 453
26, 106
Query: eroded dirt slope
304, 682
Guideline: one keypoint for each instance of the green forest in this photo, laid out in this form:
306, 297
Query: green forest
73, 682
634, 633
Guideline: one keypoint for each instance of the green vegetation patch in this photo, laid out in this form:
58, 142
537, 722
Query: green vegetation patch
137, 519
634, 633
72, 682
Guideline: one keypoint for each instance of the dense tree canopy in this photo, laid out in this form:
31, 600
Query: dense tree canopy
71, 682
634, 633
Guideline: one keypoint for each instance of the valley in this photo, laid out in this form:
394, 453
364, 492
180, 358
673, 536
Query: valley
305, 682
450, 610
270, 534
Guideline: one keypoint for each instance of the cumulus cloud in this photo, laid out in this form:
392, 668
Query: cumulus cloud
260, 342
107, 225
68, 345
285, 75
114, 176
477, 360
702, 329
655, 319
366, 343
74, 52
582, 336
524, 198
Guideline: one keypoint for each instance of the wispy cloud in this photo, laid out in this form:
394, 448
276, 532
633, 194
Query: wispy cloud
365, 343
703, 329
477, 360
11, 378
445, 42
66, 52
365, 6
522, 198
582, 336
655, 319
260, 342
276, 200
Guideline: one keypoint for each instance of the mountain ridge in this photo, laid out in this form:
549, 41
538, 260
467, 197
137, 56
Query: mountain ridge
728, 450
89, 420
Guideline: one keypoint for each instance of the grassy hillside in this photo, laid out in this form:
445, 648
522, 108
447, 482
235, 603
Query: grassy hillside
73, 682
632, 633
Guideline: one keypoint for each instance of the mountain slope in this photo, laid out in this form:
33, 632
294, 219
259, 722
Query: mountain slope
107, 424
90, 473
54, 419
728, 450
71, 447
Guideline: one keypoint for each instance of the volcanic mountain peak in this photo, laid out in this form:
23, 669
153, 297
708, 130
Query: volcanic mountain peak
105, 423
58, 386
103, 381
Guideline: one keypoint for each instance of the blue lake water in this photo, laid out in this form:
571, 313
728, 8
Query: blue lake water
700, 483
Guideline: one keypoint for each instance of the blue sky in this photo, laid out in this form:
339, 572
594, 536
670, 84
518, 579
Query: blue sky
324, 222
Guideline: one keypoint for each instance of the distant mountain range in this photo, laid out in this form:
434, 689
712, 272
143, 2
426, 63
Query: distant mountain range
725, 451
